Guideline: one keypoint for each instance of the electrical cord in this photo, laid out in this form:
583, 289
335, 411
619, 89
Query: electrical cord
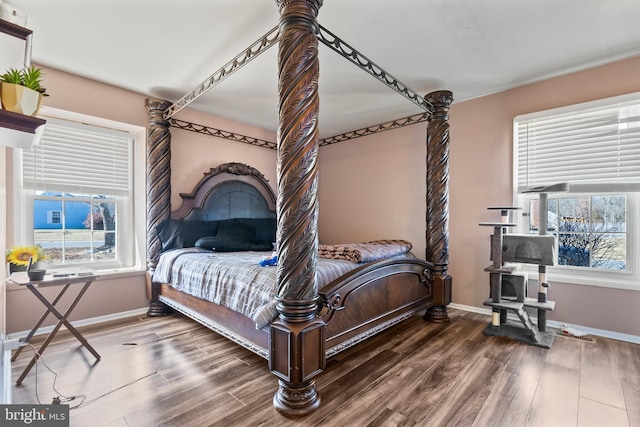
63, 399
83, 403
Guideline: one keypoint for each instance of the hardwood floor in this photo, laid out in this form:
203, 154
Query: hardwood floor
173, 372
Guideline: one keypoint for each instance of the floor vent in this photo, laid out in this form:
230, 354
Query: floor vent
585, 338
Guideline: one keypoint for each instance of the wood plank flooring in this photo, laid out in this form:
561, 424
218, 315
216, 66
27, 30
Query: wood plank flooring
173, 372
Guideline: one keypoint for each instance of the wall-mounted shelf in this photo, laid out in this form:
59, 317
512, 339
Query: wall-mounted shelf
19, 130
20, 122
14, 30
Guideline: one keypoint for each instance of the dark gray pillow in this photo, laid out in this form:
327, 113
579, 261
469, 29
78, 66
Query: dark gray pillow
234, 236
265, 227
175, 233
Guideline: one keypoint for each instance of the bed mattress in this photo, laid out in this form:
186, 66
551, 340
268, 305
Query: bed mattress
234, 279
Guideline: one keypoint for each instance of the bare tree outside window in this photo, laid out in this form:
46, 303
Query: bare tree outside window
591, 230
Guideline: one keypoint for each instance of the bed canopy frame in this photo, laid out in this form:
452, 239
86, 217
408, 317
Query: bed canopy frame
297, 336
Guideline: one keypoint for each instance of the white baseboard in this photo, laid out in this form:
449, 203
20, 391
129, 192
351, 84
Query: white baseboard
485, 311
554, 324
84, 322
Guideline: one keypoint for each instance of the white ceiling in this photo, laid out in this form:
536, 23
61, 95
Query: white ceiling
164, 49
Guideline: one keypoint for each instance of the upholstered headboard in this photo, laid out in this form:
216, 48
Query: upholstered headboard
232, 208
231, 190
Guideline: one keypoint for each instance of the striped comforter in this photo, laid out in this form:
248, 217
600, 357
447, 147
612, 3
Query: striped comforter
234, 279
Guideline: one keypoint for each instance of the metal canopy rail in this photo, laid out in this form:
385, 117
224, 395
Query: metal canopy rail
393, 124
325, 36
259, 46
364, 63
207, 130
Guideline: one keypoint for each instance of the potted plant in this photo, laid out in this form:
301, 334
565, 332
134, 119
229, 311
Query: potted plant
18, 257
22, 91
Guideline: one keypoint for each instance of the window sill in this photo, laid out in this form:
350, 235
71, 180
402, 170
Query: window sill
612, 280
120, 273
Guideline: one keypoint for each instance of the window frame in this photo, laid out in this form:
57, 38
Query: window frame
126, 255
628, 279
132, 229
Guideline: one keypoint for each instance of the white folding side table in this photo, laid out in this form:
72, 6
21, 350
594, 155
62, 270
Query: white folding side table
21, 279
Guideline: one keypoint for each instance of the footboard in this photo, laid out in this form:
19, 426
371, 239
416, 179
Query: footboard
372, 299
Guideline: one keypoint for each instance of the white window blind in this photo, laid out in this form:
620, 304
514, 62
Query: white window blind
80, 158
595, 143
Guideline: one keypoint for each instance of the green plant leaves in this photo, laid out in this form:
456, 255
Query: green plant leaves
29, 77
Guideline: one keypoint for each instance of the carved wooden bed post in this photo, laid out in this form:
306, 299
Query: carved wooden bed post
158, 192
296, 338
437, 228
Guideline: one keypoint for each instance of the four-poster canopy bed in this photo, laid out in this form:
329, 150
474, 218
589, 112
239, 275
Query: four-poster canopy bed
307, 316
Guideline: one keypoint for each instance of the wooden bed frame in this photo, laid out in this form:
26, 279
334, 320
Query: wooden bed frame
371, 298
313, 324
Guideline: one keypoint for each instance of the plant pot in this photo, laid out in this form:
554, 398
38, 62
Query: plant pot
20, 99
13, 268
36, 274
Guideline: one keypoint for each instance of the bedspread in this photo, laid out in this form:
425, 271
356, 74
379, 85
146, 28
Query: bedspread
234, 279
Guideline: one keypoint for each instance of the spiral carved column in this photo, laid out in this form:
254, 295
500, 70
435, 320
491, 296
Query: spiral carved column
437, 227
297, 336
158, 192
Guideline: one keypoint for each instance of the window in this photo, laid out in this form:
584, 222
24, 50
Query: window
54, 217
595, 149
78, 192
591, 230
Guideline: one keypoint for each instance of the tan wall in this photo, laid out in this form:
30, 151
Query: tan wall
105, 296
374, 187
192, 155
482, 131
